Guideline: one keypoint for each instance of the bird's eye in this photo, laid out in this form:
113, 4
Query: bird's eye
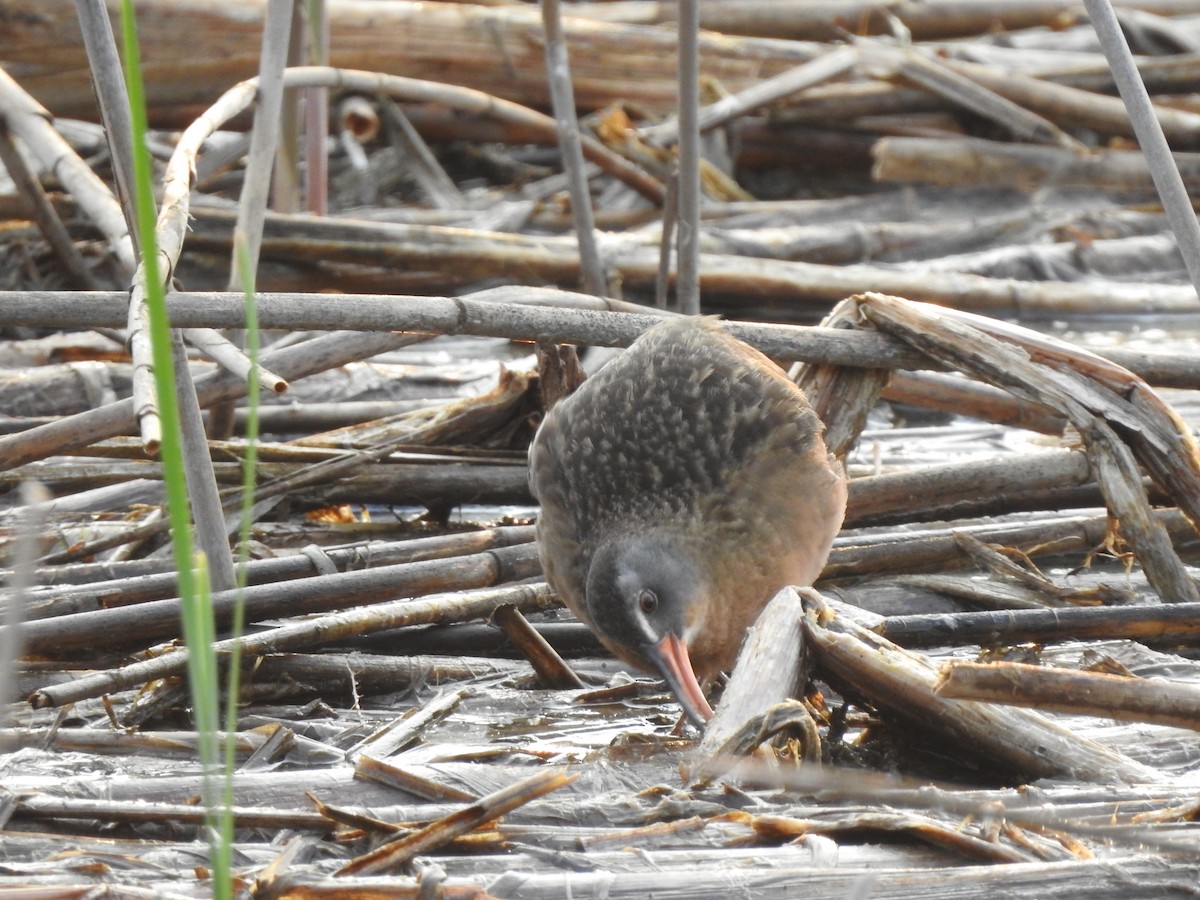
647, 602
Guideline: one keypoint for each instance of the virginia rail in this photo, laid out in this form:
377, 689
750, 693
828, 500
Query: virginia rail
680, 487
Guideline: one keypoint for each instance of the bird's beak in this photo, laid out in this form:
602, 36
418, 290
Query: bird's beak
671, 656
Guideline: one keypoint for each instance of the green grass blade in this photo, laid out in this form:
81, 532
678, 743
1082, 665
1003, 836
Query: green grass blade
198, 627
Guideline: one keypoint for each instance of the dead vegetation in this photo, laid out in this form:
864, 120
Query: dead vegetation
408, 724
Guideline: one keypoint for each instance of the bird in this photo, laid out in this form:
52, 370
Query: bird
680, 487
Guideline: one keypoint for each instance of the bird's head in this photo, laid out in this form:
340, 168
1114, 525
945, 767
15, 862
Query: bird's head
643, 593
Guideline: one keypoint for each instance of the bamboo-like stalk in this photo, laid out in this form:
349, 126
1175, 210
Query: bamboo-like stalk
264, 135
1175, 704
30, 121
34, 497
666, 242
207, 515
1072, 107
933, 390
938, 549
105, 67
137, 587
286, 178
959, 485
441, 608
316, 109
221, 351
404, 731
252, 201
147, 622
1173, 622
551, 669
1167, 180
331, 674
962, 91
130, 812
818, 70
545, 314
398, 853
562, 94
687, 217
983, 163
438, 187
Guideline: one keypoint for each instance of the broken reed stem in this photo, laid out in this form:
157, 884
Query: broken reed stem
955, 487
552, 670
1163, 170
925, 551
1075, 693
983, 163
465, 257
1121, 421
901, 683
408, 729
559, 316
436, 834
1174, 622
42, 807
767, 672
71, 432
687, 226
126, 626
328, 675
562, 95
935, 390
439, 609
45, 602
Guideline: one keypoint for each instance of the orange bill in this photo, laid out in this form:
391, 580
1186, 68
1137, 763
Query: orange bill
671, 656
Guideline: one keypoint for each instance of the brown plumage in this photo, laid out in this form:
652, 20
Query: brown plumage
680, 487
